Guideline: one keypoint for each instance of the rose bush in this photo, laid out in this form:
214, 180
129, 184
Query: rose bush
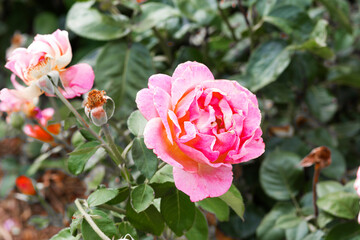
200, 126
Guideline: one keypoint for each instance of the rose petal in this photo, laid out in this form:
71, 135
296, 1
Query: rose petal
186, 76
160, 80
162, 104
155, 138
145, 103
206, 182
77, 80
250, 149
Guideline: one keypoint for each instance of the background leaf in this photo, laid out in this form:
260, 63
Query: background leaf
280, 173
85, 20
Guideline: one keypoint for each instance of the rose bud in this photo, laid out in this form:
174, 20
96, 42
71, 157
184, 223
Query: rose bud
200, 126
98, 107
25, 185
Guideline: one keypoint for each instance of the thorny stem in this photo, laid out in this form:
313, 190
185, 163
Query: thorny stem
90, 221
163, 45
315, 181
112, 151
226, 20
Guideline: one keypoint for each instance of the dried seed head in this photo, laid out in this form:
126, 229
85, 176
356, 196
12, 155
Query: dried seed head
95, 98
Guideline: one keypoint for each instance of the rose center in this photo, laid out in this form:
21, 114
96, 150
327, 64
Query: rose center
39, 70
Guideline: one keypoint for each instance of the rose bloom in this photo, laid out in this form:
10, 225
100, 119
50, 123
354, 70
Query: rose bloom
48, 55
200, 126
37, 131
357, 187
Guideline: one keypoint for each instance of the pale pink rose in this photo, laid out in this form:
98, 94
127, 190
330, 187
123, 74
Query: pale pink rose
200, 126
49, 54
13, 100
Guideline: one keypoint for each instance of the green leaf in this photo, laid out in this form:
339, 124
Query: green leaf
267, 229
340, 204
123, 74
201, 11
266, 64
141, 197
163, 189
145, 160
318, 235
149, 220
127, 228
39, 222
76, 221
292, 20
280, 173
64, 234
344, 231
178, 212
199, 229
337, 168
153, 14
336, 10
165, 174
217, 206
289, 220
102, 220
88, 22
102, 196
87, 135
136, 123
81, 155
234, 199
123, 194
321, 103
326, 187
297, 233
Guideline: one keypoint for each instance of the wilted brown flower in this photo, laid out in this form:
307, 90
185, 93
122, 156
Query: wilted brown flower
321, 156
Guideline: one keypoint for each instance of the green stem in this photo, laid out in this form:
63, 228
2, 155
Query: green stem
244, 12
315, 181
113, 208
226, 20
163, 45
90, 221
119, 160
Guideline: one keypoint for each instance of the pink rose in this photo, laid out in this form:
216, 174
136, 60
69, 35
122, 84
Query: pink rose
200, 126
357, 187
49, 54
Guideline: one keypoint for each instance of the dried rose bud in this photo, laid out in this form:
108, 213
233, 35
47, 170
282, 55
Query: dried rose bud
320, 156
98, 107
25, 185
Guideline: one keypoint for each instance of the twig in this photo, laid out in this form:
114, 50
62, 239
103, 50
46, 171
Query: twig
90, 221
315, 181
245, 13
226, 20
163, 45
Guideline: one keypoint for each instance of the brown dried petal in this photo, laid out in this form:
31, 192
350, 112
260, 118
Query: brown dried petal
320, 156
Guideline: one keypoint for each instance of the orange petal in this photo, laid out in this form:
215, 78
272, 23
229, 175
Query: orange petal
25, 185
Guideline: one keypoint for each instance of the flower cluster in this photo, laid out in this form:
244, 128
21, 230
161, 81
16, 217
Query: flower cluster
200, 126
